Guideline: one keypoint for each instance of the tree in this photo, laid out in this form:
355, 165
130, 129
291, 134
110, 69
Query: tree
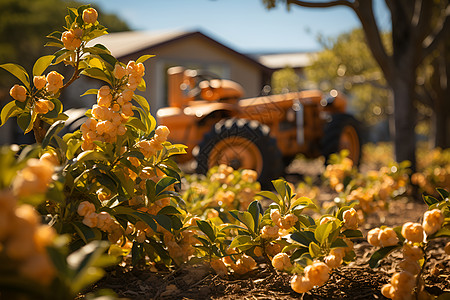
418, 27
23, 27
346, 64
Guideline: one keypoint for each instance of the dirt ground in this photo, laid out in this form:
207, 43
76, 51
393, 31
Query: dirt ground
354, 281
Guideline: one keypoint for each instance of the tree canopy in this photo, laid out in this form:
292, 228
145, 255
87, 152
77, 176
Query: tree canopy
24, 25
418, 28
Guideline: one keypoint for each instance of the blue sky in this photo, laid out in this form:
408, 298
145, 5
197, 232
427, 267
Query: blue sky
244, 25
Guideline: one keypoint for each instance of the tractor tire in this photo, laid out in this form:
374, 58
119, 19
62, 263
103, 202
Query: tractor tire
241, 144
342, 132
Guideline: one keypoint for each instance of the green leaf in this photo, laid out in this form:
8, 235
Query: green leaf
142, 86
322, 231
206, 228
144, 58
61, 55
281, 187
109, 59
314, 250
54, 129
240, 240
271, 196
169, 210
58, 260
303, 237
142, 102
244, 217
380, 254
8, 111
82, 262
19, 72
255, 210
302, 201
339, 243
97, 74
444, 193
350, 233
146, 218
54, 113
430, 200
42, 64
24, 121
91, 155
164, 221
163, 184
90, 92
443, 232
137, 124
87, 233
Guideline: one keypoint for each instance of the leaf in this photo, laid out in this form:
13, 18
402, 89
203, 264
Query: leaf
54, 113
350, 233
42, 64
137, 124
144, 58
109, 59
24, 120
443, 232
169, 210
163, 184
240, 240
302, 201
206, 228
58, 260
97, 74
255, 210
164, 221
303, 237
380, 254
271, 196
19, 72
339, 243
87, 233
314, 250
429, 200
142, 102
90, 92
82, 262
142, 86
322, 231
91, 155
281, 188
8, 111
54, 129
244, 217
444, 193
146, 218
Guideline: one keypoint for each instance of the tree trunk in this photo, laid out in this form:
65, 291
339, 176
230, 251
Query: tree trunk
440, 124
405, 121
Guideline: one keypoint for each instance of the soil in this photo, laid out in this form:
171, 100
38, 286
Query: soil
354, 281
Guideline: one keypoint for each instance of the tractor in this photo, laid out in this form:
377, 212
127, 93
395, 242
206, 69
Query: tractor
264, 133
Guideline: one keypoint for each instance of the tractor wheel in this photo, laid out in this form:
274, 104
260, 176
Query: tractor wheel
241, 144
342, 132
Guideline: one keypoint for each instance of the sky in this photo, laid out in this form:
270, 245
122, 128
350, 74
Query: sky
243, 25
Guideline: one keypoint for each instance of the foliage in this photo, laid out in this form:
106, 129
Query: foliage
285, 80
346, 64
24, 25
434, 167
413, 239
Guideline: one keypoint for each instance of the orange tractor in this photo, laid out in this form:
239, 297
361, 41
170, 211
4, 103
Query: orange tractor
263, 133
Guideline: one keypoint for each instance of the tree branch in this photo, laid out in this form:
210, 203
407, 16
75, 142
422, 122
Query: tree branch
321, 4
441, 32
364, 11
